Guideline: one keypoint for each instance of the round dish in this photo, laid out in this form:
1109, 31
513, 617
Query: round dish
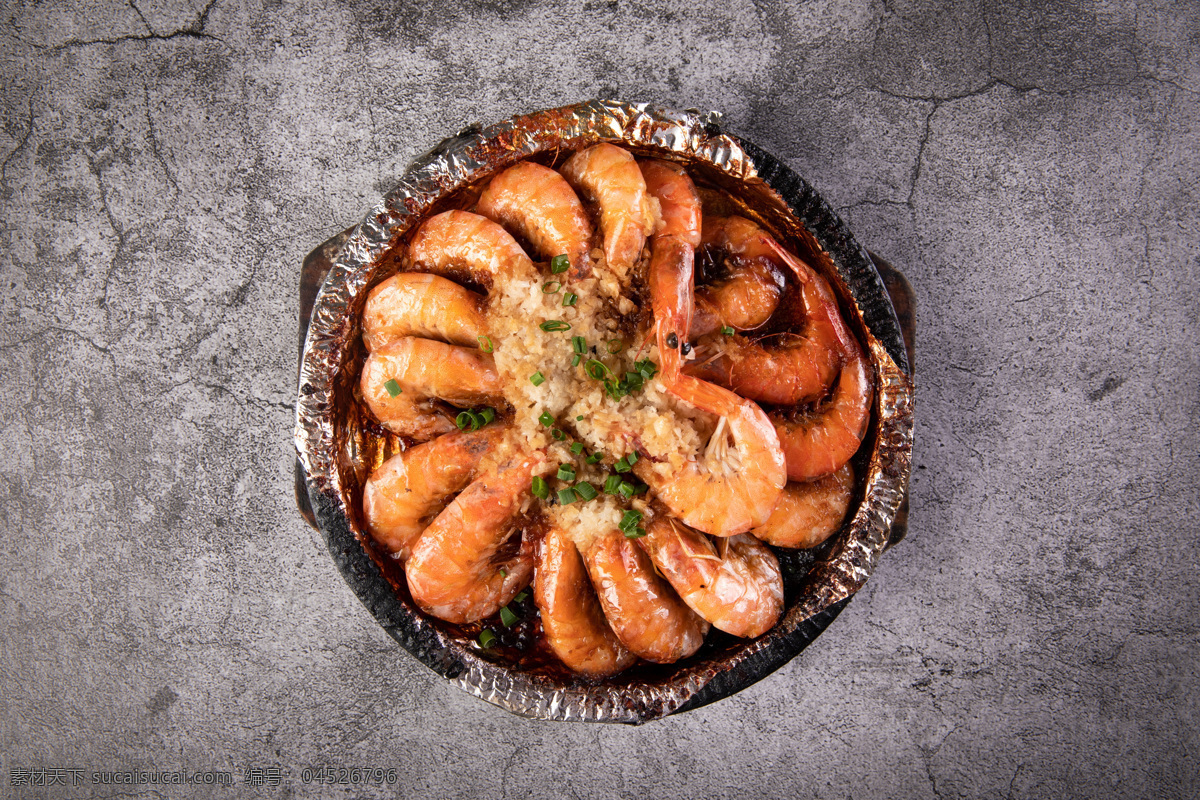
333, 445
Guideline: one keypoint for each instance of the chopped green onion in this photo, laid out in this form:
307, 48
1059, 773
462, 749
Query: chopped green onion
594, 458
635, 533
612, 484
579, 344
555, 325
575, 359
503, 572
393, 388
540, 488
508, 617
485, 344
560, 264
726, 330
597, 369
626, 490
615, 346
586, 490
566, 496
577, 448
646, 368
570, 299
521, 595
546, 419
464, 420
632, 458
565, 472
488, 415
622, 465
551, 287
558, 435
486, 638
579, 418
639, 488
630, 520
537, 378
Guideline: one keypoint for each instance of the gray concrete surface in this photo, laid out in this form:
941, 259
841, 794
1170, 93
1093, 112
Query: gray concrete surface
1031, 167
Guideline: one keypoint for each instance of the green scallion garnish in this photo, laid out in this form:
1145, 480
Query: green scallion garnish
622, 465
488, 415
566, 472
612, 484
551, 287
393, 388
566, 496
626, 490
586, 490
577, 448
575, 359
560, 264
579, 418
486, 638
546, 419
570, 299
630, 520
632, 458
727, 330
594, 458
540, 488
463, 420
635, 533
485, 344
537, 378
597, 369
521, 595
555, 325
558, 435
579, 344
508, 617
615, 346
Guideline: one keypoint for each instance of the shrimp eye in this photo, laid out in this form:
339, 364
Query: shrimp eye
687, 348
672, 340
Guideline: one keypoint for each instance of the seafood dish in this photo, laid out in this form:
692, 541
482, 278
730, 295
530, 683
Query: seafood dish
610, 398
602, 412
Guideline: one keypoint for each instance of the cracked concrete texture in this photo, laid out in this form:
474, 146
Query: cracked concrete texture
1032, 168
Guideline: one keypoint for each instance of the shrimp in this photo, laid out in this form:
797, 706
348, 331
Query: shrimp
541, 206
645, 614
421, 304
459, 244
729, 489
459, 570
572, 618
421, 371
412, 487
809, 512
672, 259
749, 294
739, 591
609, 177
786, 368
818, 442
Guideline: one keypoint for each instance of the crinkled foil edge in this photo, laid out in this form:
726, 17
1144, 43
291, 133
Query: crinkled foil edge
473, 154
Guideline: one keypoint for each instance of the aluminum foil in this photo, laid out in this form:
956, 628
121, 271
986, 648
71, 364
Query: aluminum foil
325, 439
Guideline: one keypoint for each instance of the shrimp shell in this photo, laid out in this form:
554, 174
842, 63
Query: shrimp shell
572, 618
422, 304
646, 615
739, 592
455, 242
809, 512
408, 490
609, 177
541, 206
454, 573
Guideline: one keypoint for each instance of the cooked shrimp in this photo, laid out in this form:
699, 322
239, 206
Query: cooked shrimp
572, 619
739, 591
459, 570
646, 615
412, 487
672, 255
809, 512
749, 293
540, 205
460, 244
421, 304
730, 488
820, 441
425, 371
609, 177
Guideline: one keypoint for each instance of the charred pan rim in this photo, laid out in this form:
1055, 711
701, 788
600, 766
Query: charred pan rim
324, 384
